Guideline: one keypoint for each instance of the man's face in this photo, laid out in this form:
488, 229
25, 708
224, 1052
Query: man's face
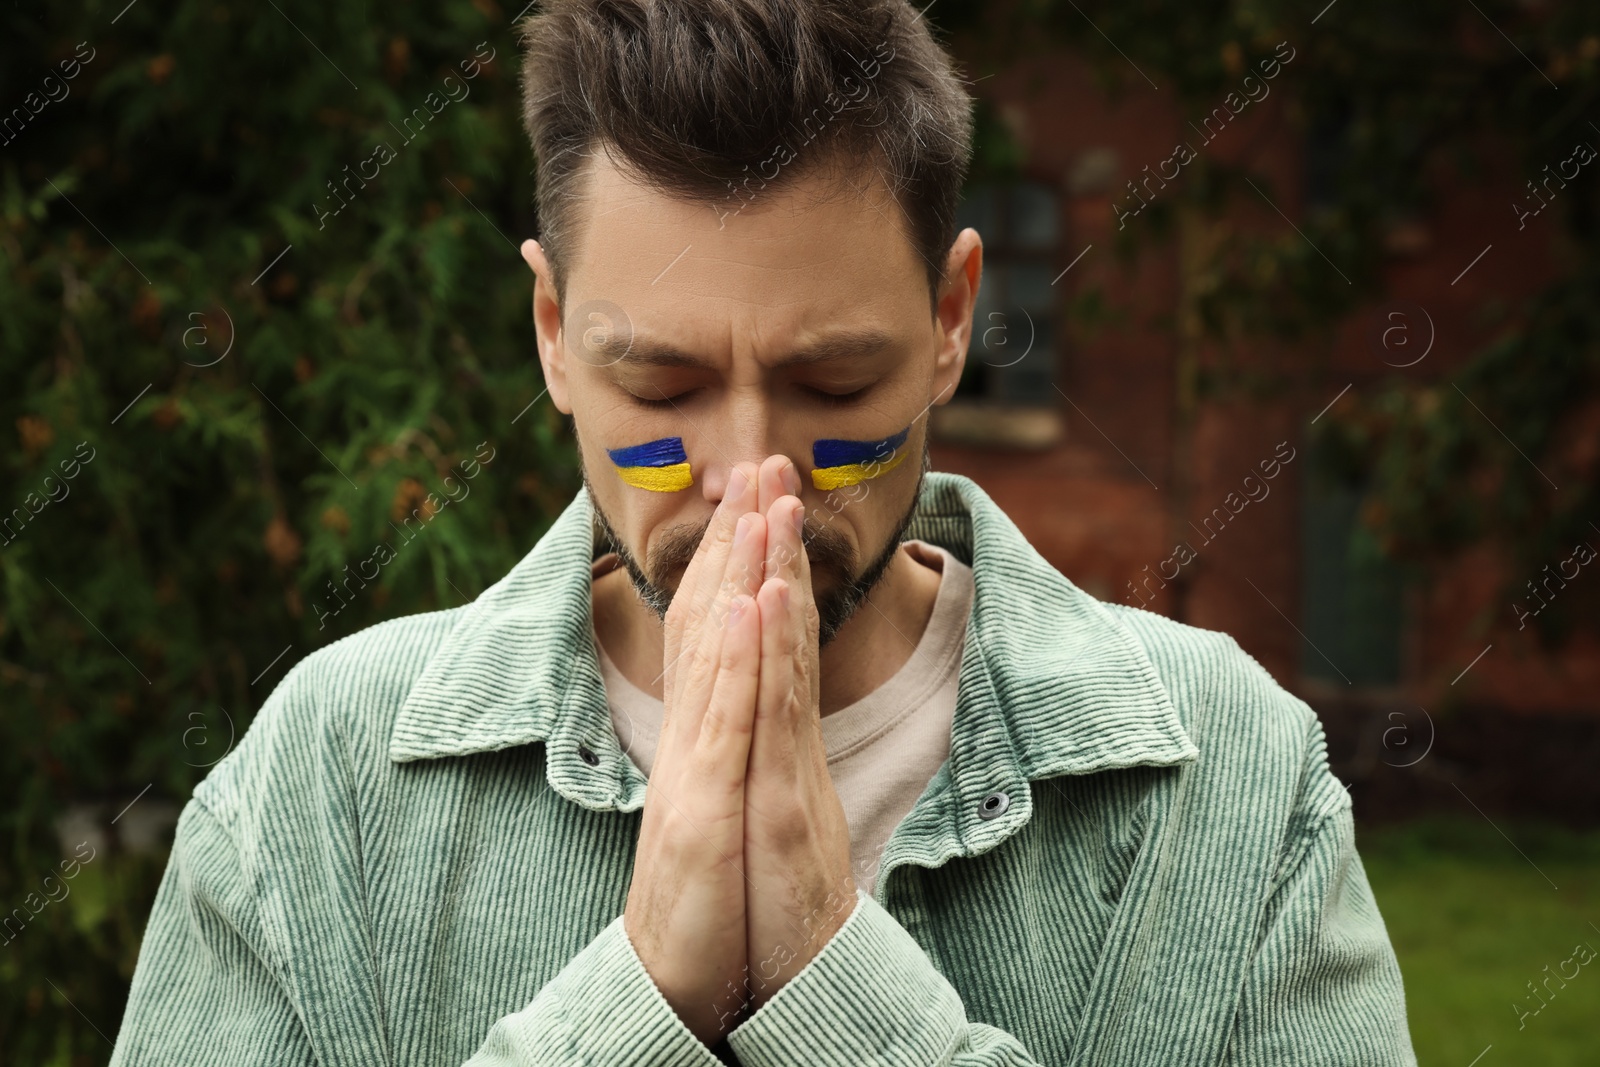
802, 317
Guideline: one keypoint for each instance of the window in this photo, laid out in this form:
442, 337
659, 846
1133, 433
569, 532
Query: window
1012, 358
1353, 597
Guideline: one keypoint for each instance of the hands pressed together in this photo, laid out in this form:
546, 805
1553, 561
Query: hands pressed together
743, 866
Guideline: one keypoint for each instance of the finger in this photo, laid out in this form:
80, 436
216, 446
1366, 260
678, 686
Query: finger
723, 745
697, 681
787, 561
704, 577
803, 611
705, 568
784, 546
772, 752
778, 476
784, 538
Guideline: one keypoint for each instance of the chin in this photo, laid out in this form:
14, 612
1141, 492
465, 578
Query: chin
827, 576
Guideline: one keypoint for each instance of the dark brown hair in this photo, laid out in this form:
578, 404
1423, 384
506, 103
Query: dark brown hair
712, 100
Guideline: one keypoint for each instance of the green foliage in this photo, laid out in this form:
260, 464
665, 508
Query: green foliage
1472, 461
255, 426
266, 390
1394, 105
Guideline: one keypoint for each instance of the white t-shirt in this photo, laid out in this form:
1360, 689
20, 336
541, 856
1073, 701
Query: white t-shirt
884, 748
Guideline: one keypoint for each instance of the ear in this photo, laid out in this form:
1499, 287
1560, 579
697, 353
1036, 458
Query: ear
548, 337
958, 299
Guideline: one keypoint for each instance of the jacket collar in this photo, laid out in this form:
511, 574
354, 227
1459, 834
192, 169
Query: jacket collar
1051, 682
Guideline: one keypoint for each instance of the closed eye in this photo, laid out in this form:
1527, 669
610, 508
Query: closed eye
663, 402
839, 399
823, 397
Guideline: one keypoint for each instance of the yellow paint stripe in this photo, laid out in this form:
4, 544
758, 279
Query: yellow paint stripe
668, 479
851, 473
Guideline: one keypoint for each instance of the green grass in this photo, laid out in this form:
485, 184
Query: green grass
1473, 922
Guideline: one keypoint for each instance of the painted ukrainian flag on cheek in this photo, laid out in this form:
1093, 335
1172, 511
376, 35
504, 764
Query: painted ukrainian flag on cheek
661, 466
838, 462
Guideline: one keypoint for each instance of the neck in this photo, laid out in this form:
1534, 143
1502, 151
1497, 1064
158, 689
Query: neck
869, 648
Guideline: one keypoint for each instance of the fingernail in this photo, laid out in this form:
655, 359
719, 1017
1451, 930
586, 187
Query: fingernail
799, 519
741, 529
737, 481
791, 478
783, 595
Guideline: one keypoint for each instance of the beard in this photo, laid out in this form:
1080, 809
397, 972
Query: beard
828, 551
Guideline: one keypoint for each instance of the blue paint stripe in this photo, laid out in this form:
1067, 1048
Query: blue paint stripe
834, 452
662, 452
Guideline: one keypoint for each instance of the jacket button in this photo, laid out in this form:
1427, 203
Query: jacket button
993, 804
588, 757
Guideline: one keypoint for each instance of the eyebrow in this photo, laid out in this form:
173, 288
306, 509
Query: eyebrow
648, 352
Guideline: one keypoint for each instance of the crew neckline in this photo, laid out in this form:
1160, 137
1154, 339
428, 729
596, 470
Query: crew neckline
856, 725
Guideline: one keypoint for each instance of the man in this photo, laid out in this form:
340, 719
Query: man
776, 749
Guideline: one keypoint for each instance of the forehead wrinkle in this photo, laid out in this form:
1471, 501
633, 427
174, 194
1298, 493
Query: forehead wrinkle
835, 347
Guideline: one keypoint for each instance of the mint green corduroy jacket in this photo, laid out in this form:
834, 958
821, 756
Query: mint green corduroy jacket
419, 852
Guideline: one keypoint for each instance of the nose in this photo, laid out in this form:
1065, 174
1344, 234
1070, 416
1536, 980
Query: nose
718, 475
719, 478
745, 444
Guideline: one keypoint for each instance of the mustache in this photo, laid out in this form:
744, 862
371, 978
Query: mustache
676, 546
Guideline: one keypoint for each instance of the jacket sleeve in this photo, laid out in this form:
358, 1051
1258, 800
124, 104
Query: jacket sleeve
603, 1009
201, 994
1324, 986
871, 996
205, 992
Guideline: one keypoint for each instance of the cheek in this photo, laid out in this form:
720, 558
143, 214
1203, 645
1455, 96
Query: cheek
839, 462
659, 466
